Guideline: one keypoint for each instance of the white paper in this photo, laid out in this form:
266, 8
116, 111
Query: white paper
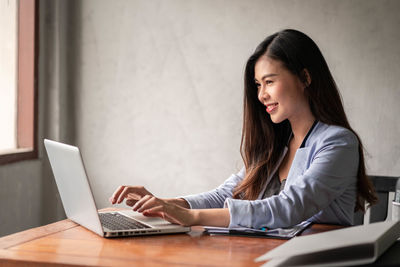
370, 239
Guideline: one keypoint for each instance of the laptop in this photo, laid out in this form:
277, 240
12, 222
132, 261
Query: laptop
79, 205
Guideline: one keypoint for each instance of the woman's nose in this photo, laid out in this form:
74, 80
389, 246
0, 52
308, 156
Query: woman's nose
262, 94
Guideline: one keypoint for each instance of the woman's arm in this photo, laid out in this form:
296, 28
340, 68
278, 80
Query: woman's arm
208, 200
215, 198
179, 202
212, 217
155, 207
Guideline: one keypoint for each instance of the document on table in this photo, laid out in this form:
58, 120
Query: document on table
282, 233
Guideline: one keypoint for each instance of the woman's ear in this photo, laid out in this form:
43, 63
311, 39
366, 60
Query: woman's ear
306, 77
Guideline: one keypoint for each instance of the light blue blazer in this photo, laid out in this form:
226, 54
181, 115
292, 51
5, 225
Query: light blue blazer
321, 186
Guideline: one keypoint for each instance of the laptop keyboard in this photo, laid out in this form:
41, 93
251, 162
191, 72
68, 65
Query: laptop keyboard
115, 221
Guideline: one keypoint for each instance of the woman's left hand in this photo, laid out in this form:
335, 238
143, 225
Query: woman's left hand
155, 207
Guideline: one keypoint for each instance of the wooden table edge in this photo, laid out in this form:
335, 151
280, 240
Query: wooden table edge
34, 233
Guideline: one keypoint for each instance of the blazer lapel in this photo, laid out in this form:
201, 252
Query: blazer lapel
299, 164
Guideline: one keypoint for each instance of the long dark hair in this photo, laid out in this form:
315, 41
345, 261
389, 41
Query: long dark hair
262, 140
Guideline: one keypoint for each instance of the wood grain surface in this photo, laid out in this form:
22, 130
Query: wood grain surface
66, 244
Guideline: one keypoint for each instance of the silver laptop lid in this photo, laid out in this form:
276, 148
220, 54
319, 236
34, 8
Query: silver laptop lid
73, 185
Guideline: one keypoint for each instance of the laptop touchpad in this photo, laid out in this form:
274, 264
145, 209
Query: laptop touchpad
152, 221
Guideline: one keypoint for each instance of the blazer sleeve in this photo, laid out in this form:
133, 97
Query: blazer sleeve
332, 169
215, 198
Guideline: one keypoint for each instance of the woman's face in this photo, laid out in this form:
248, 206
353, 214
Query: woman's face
280, 91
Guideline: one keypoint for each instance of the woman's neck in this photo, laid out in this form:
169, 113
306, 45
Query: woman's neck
301, 126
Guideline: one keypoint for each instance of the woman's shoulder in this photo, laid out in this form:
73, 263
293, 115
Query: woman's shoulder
333, 134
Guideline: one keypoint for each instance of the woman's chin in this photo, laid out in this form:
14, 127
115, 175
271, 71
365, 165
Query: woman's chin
276, 119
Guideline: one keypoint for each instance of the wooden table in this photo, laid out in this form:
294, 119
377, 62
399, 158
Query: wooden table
66, 243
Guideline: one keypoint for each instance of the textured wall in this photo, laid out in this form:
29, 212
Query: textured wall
20, 196
158, 84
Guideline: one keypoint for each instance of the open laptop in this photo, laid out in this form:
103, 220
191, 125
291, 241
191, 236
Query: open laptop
79, 205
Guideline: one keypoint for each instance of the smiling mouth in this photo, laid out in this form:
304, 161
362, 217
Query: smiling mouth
271, 107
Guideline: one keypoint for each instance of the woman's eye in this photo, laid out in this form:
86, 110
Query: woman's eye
258, 85
268, 82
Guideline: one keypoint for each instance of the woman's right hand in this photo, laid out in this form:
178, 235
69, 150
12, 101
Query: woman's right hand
132, 194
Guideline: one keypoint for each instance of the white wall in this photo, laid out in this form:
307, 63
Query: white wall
158, 84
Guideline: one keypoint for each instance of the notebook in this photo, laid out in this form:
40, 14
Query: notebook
79, 205
357, 245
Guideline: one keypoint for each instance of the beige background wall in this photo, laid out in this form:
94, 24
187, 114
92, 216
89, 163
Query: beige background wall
159, 84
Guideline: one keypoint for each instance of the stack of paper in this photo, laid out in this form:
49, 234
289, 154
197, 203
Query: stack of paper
344, 247
281, 233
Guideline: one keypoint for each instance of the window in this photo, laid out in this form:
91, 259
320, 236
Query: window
18, 80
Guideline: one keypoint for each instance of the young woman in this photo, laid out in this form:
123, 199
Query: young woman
302, 160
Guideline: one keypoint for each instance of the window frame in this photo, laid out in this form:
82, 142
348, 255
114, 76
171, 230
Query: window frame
27, 84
